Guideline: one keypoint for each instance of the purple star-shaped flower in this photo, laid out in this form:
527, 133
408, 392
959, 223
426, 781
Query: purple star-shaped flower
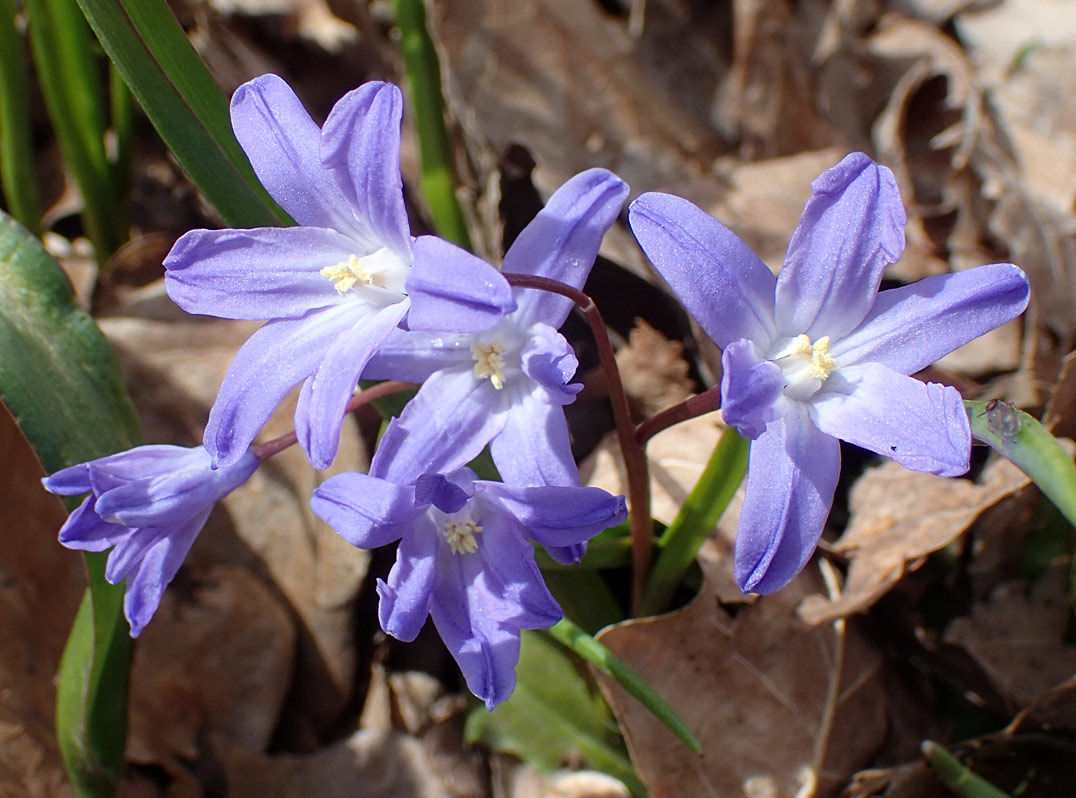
818, 354
333, 288
465, 558
506, 386
149, 503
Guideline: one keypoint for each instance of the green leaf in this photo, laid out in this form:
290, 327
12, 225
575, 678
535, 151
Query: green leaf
62, 384
438, 179
67, 72
697, 518
551, 716
1030, 446
190, 113
16, 148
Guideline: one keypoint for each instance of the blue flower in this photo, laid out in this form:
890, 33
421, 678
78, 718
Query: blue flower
506, 386
149, 503
333, 288
818, 353
464, 558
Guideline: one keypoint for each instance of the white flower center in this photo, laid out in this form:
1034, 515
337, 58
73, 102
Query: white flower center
489, 361
460, 536
380, 269
804, 365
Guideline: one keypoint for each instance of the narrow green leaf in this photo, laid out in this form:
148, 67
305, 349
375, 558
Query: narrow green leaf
62, 384
172, 85
67, 72
1030, 446
585, 596
16, 148
697, 518
570, 635
957, 777
552, 715
438, 180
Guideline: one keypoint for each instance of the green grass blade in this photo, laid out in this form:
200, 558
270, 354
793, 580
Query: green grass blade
16, 147
438, 181
77, 106
697, 518
62, 384
170, 82
1030, 446
957, 777
574, 638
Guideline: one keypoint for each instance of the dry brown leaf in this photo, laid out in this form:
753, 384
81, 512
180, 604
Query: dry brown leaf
898, 518
1017, 637
218, 660
568, 82
374, 764
780, 708
41, 584
653, 369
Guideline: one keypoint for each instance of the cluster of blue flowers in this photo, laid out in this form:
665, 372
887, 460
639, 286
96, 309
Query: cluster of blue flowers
810, 356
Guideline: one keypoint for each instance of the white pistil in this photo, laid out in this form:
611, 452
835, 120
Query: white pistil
489, 361
345, 274
460, 536
805, 365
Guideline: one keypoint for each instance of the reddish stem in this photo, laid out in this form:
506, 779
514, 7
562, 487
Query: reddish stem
263, 451
693, 406
642, 532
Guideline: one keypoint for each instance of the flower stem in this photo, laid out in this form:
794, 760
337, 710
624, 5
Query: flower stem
691, 407
642, 531
263, 451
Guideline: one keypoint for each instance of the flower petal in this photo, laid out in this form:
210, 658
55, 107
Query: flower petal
852, 228
164, 499
407, 596
558, 516
533, 447
446, 425
365, 511
510, 571
264, 273
563, 240
414, 356
360, 143
449, 494
155, 571
922, 426
751, 389
282, 143
721, 282
85, 530
792, 473
319, 413
277, 357
453, 291
912, 326
550, 361
71, 481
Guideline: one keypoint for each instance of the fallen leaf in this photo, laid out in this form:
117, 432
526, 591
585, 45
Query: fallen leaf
1018, 636
780, 708
653, 369
898, 518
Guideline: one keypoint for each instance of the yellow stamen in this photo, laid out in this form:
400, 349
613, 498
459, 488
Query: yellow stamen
489, 362
822, 364
461, 536
346, 273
